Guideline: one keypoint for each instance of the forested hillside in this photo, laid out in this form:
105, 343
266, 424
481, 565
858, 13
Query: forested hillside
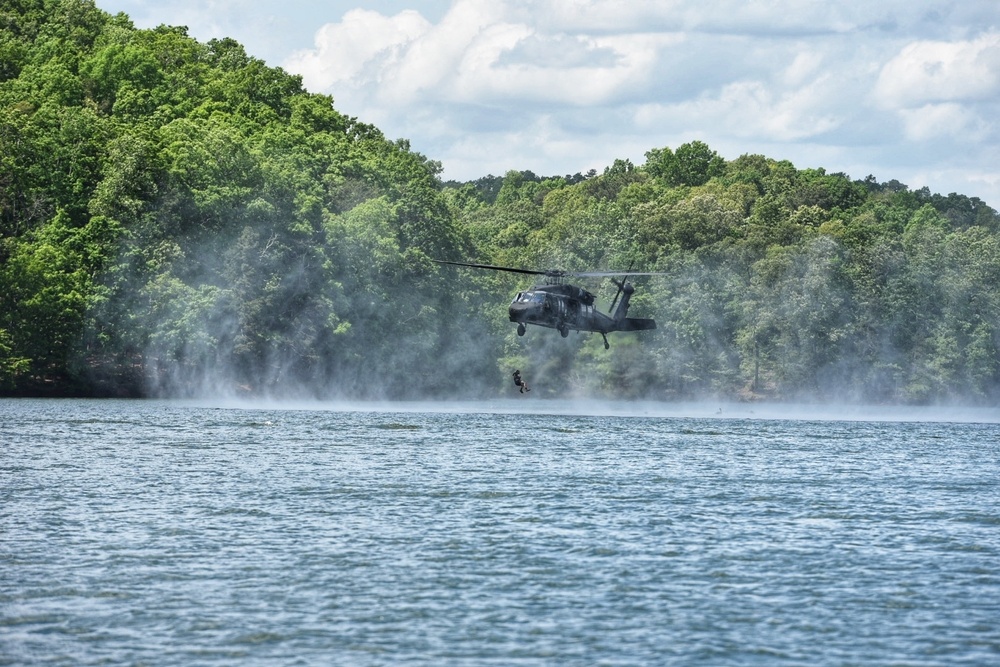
178, 218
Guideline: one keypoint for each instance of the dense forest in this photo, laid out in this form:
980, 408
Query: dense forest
177, 219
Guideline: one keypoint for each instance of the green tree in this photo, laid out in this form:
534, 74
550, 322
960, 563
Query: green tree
691, 164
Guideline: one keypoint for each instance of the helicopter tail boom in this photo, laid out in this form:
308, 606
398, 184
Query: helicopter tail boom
622, 322
637, 324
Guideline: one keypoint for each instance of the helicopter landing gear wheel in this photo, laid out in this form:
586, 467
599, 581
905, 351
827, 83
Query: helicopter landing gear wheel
563, 330
607, 345
520, 329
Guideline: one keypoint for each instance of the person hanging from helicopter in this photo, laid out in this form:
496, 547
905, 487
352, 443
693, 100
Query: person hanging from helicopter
518, 382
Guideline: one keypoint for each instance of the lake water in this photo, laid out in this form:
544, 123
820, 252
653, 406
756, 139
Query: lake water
508, 533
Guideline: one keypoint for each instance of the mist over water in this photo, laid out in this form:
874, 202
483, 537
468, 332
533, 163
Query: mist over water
526, 404
250, 313
510, 531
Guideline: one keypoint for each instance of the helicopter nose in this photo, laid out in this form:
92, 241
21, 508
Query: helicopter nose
520, 311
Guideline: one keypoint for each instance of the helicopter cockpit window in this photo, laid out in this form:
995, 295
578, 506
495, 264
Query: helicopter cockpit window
538, 297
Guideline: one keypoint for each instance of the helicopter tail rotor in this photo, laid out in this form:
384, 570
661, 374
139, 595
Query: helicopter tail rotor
621, 287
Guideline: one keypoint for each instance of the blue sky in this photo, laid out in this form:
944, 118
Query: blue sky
900, 89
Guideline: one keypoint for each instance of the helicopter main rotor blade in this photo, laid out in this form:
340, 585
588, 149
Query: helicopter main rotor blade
496, 268
554, 273
608, 274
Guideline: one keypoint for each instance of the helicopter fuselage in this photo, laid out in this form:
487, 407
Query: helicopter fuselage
564, 307
568, 307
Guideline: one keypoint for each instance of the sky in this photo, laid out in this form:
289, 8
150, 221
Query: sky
898, 89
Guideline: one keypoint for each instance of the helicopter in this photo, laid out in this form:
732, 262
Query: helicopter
558, 305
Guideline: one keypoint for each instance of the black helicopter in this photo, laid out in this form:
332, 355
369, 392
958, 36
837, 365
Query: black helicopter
561, 306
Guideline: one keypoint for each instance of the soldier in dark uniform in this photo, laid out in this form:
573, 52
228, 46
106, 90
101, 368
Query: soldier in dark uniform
518, 382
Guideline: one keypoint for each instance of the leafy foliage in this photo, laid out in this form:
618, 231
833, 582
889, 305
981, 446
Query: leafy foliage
178, 218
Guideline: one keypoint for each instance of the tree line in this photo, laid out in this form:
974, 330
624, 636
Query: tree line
177, 218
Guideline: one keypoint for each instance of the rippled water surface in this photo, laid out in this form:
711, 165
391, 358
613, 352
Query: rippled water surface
175, 534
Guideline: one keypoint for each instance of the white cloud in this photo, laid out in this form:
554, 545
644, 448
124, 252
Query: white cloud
927, 72
948, 120
363, 44
559, 86
800, 103
718, 17
475, 55
496, 53
599, 71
